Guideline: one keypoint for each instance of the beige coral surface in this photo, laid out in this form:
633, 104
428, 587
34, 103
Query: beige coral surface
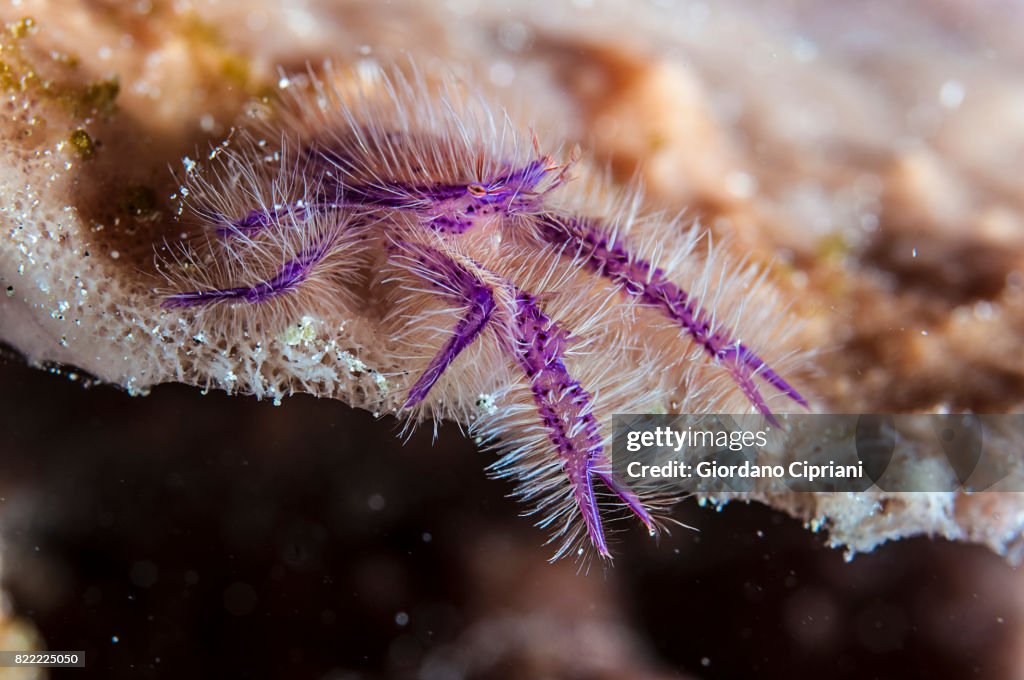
869, 155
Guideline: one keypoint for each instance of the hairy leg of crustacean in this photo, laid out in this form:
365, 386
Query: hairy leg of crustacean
287, 279
638, 278
537, 345
443, 208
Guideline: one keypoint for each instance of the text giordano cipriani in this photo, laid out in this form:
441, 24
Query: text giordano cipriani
670, 439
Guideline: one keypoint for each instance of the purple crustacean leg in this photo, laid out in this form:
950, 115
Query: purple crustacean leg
480, 307
287, 279
651, 285
538, 347
255, 221
457, 208
565, 407
444, 208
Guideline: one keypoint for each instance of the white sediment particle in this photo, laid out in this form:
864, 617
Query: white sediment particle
486, 403
190, 165
199, 337
58, 313
951, 94
741, 184
353, 363
302, 333
133, 389
381, 382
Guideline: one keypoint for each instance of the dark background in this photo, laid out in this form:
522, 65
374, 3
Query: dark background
225, 537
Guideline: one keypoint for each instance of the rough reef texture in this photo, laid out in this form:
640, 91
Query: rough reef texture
875, 167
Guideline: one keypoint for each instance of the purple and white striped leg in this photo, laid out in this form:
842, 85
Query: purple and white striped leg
538, 346
287, 279
255, 221
444, 208
652, 286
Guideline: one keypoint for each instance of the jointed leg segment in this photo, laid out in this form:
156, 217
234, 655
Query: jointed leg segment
651, 285
538, 346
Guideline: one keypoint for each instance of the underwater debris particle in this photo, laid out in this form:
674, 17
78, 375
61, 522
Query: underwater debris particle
486, 403
235, 69
302, 333
352, 363
100, 96
82, 143
22, 29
